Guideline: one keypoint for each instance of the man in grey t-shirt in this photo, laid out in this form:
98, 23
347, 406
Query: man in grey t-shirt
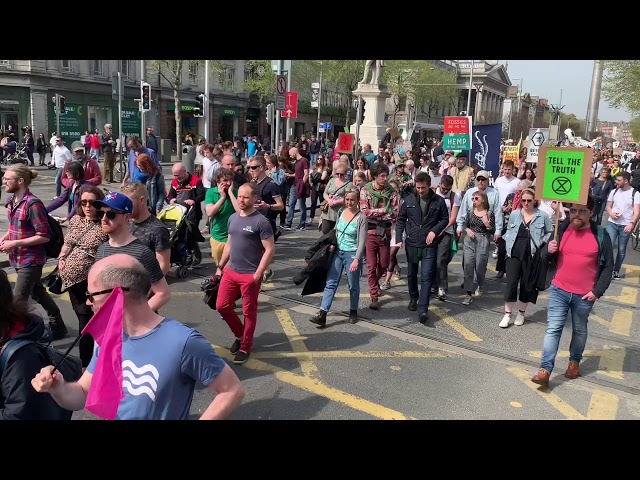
246, 256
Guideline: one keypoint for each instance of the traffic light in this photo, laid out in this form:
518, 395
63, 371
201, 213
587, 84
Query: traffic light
198, 111
145, 95
62, 107
270, 114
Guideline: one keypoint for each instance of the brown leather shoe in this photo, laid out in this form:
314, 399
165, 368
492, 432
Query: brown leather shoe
541, 378
374, 303
573, 371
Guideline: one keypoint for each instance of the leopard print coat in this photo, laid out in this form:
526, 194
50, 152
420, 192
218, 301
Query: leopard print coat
83, 238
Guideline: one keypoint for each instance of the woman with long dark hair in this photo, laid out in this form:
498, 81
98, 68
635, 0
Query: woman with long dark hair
318, 178
75, 174
155, 182
41, 148
18, 399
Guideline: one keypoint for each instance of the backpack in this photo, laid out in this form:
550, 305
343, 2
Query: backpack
53, 247
70, 368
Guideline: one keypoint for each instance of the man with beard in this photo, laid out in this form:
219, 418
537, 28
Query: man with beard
585, 264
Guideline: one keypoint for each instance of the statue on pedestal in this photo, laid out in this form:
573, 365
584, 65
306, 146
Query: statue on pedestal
378, 66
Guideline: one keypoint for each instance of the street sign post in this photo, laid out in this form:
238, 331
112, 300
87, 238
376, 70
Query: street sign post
291, 105
281, 89
564, 174
457, 133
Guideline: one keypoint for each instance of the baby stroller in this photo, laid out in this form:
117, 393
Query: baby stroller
183, 233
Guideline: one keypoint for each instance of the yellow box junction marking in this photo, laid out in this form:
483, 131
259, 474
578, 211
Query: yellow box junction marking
611, 360
620, 323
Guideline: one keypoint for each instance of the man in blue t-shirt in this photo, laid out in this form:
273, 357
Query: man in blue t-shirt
252, 146
162, 359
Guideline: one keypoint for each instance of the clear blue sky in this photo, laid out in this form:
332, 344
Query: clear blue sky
546, 78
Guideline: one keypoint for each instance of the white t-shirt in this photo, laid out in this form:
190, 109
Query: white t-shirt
623, 203
435, 181
505, 187
206, 171
457, 200
61, 155
547, 207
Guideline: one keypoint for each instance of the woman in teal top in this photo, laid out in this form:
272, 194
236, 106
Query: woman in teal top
351, 235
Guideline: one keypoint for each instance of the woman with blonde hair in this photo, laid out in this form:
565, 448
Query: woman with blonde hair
480, 225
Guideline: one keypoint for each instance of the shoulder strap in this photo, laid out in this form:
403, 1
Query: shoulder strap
261, 186
600, 238
9, 348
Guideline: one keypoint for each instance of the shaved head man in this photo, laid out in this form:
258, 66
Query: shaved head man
172, 356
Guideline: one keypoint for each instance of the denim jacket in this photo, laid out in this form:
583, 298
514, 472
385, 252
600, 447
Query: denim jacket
540, 229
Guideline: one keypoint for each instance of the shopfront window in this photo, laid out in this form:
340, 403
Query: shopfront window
97, 117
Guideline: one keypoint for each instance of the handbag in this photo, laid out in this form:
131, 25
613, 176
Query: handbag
53, 281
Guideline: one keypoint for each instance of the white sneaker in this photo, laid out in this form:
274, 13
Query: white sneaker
519, 319
495, 253
467, 300
506, 321
441, 294
478, 292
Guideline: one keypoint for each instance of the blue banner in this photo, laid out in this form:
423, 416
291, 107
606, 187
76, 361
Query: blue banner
485, 148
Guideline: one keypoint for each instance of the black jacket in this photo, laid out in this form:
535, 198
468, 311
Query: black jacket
410, 219
605, 257
318, 259
18, 399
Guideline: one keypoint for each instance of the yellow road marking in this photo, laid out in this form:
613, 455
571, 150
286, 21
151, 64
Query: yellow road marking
629, 296
350, 354
458, 327
632, 273
620, 323
611, 360
603, 405
318, 388
297, 342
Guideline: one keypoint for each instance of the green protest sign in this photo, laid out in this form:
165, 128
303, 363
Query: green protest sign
564, 174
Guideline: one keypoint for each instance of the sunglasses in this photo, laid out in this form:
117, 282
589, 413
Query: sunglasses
526, 200
111, 215
575, 211
85, 203
252, 167
340, 174
90, 295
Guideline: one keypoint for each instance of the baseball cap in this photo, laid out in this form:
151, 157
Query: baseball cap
483, 174
116, 201
77, 146
462, 154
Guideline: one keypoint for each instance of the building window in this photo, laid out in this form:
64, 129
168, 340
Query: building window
193, 72
124, 68
66, 66
97, 67
228, 79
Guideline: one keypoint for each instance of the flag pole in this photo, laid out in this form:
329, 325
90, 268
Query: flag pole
66, 354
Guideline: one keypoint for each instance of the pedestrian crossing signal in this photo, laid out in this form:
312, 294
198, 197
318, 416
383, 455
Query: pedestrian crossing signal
198, 110
145, 95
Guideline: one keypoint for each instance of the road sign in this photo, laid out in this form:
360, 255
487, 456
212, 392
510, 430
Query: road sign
564, 174
281, 84
281, 102
457, 133
328, 126
345, 142
538, 137
290, 109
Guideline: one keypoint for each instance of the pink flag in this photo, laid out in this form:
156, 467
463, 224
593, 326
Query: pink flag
105, 326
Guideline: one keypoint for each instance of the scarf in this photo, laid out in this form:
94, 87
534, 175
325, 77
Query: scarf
378, 195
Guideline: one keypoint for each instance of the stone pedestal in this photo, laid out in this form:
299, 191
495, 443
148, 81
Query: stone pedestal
373, 128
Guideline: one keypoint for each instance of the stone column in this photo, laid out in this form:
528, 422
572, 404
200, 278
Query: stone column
38, 110
373, 129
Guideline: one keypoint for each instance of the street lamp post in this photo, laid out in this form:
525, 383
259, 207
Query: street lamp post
470, 86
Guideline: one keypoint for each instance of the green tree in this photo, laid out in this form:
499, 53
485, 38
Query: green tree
172, 71
635, 128
621, 84
420, 82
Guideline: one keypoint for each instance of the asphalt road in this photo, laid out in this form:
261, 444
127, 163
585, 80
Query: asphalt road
388, 366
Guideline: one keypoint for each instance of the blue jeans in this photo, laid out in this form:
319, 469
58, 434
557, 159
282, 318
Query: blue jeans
59, 181
614, 231
427, 277
292, 206
341, 260
558, 306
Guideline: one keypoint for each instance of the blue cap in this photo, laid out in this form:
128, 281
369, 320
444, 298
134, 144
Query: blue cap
118, 202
